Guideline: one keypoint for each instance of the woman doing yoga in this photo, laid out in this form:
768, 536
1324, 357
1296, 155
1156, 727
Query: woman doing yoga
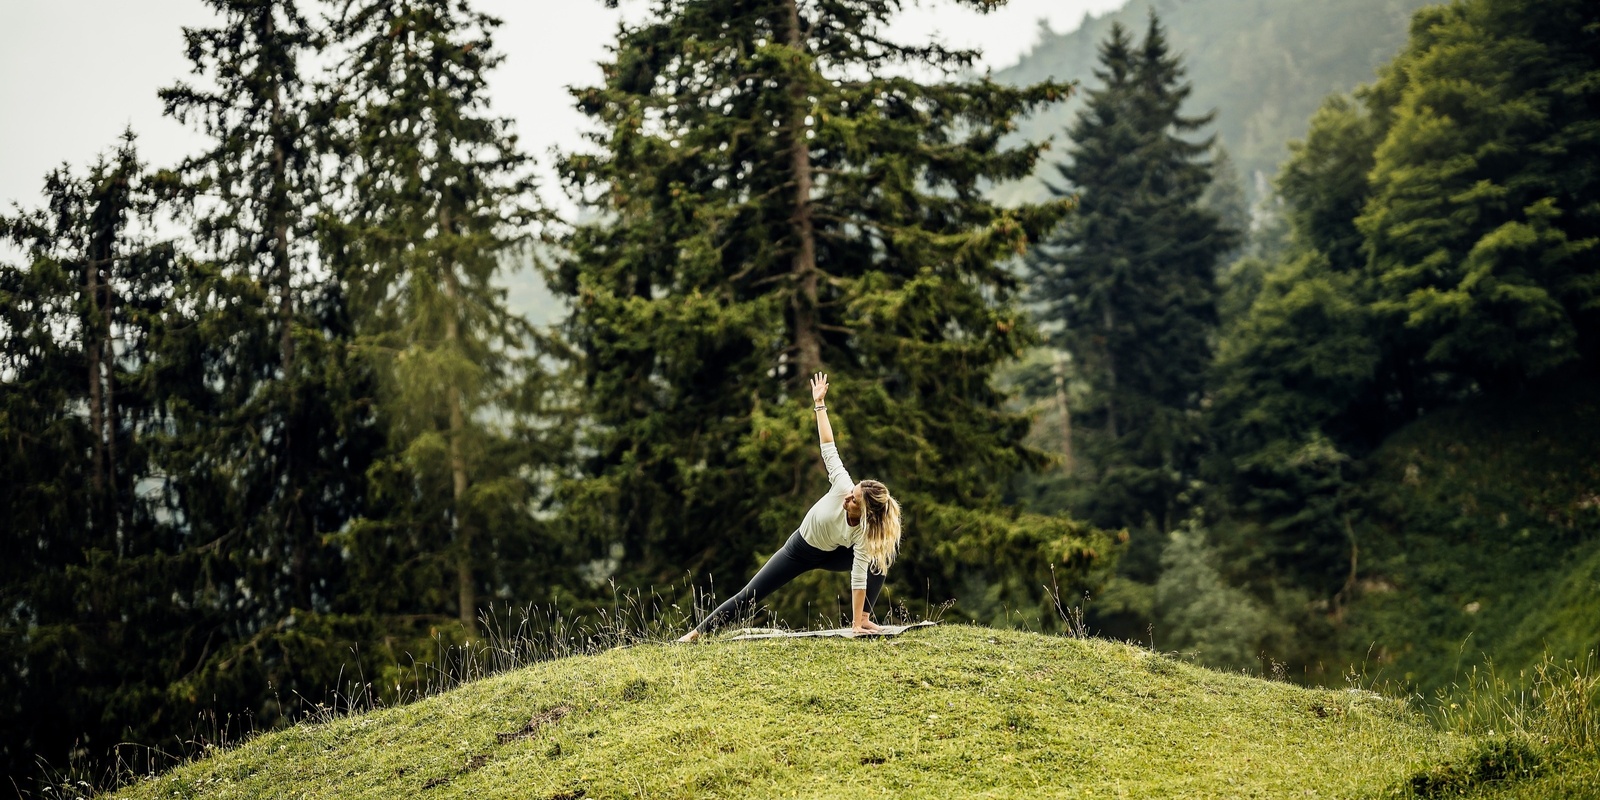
854, 528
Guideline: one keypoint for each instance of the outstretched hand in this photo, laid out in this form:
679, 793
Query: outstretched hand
819, 388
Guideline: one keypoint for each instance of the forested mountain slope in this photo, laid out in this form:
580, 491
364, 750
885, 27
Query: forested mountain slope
1263, 65
1481, 542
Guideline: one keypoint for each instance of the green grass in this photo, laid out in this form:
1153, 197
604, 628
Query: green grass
952, 711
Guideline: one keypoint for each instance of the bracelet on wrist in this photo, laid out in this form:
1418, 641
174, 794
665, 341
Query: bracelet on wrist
819, 408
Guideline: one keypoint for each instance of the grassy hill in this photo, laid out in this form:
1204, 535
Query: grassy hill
945, 712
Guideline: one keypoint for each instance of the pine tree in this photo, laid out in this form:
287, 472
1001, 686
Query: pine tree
90, 630
1130, 280
271, 430
437, 198
769, 204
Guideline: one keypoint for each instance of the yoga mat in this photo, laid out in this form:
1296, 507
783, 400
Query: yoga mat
846, 633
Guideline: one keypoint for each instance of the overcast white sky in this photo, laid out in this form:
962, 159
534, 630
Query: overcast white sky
74, 73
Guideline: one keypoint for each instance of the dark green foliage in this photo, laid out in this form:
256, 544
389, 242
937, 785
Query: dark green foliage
436, 204
1299, 371
271, 428
1452, 210
1485, 209
767, 205
1441, 226
1324, 182
1130, 280
122, 626
88, 634
1482, 541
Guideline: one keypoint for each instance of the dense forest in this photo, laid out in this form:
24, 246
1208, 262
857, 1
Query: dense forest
287, 419
1420, 283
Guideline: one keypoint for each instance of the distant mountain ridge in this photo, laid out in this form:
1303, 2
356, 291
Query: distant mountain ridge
1263, 65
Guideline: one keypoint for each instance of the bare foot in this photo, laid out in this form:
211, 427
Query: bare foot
689, 637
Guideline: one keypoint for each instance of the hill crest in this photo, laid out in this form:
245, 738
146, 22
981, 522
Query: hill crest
952, 711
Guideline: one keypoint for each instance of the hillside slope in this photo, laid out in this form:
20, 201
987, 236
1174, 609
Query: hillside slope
1263, 65
1482, 540
944, 712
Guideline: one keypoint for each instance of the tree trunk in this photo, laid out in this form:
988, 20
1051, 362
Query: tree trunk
100, 356
109, 360
808, 340
278, 217
1347, 591
1111, 373
467, 596
1066, 415
280, 227
93, 352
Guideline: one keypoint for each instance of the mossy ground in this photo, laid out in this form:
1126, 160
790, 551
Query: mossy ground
951, 711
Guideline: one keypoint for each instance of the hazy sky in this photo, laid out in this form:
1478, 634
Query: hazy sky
74, 73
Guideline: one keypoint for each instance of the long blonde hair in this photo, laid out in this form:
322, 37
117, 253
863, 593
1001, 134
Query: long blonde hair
880, 514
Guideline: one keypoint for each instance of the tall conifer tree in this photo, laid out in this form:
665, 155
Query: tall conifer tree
1130, 279
769, 203
90, 631
438, 199
270, 432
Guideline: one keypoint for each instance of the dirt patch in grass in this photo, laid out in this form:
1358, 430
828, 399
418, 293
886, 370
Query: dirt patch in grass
540, 721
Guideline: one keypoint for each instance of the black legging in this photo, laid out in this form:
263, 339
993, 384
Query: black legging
797, 556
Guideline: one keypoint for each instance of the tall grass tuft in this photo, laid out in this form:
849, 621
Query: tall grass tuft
1555, 704
1517, 726
511, 638
514, 638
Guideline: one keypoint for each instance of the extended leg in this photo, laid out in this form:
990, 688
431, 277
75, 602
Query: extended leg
779, 570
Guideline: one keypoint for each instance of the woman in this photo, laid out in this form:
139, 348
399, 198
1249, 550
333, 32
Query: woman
854, 528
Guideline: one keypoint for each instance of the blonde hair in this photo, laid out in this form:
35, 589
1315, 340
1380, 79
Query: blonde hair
880, 514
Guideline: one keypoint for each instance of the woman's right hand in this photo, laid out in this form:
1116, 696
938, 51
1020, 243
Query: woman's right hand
819, 388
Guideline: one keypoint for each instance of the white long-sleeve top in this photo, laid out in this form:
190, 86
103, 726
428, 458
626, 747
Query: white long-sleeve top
826, 527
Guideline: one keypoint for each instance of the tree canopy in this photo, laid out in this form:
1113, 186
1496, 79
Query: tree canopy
766, 204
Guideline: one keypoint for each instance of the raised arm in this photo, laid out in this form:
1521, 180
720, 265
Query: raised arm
819, 393
838, 476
